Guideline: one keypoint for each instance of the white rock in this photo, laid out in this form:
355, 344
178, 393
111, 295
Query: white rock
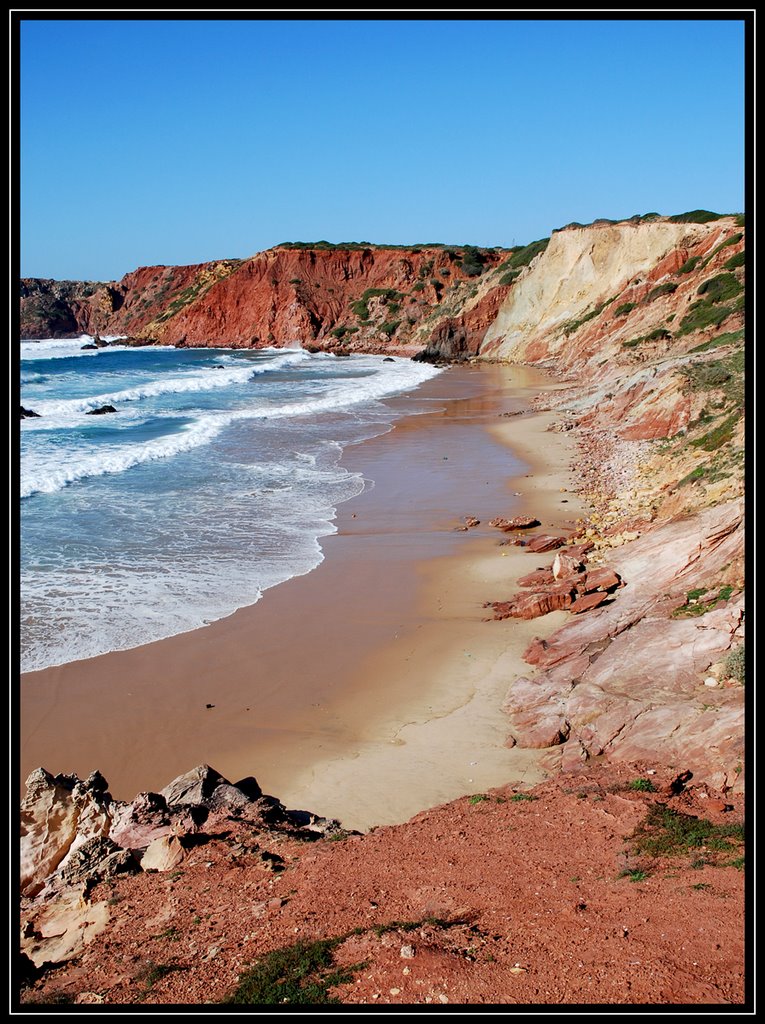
711, 681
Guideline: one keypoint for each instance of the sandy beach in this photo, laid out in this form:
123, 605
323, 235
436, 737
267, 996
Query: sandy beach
370, 688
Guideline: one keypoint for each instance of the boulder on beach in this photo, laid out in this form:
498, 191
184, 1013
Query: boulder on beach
516, 523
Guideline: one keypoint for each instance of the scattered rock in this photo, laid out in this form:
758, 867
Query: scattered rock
537, 578
516, 523
146, 818
471, 521
588, 601
545, 542
407, 952
565, 565
163, 854
101, 411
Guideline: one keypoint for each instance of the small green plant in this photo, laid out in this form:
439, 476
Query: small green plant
523, 796
509, 277
634, 874
689, 265
477, 798
390, 327
418, 286
739, 260
668, 833
701, 886
296, 280
298, 975
642, 786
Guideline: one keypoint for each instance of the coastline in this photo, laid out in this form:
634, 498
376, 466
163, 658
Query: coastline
370, 688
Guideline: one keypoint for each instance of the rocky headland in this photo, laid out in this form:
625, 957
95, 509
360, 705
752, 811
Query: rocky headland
638, 699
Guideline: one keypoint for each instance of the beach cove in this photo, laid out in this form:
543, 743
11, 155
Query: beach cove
369, 688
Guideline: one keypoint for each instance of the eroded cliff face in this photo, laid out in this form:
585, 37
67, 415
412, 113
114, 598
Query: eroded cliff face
358, 299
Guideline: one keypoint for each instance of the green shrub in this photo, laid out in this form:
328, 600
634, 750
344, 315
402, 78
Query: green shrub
296, 280
472, 261
626, 307
509, 277
419, 286
524, 256
703, 376
735, 663
390, 326
661, 289
689, 265
728, 338
696, 217
740, 221
703, 314
720, 288
300, 975
721, 435
573, 325
739, 260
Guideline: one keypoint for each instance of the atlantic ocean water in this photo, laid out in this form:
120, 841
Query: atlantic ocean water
215, 479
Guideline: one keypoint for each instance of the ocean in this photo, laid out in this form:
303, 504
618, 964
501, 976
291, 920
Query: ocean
215, 479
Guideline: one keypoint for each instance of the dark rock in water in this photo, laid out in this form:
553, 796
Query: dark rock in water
99, 342
90, 345
27, 414
219, 366
101, 411
389, 359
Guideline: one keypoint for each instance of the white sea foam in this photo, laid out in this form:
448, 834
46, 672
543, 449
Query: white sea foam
65, 348
208, 380
52, 471
49, 472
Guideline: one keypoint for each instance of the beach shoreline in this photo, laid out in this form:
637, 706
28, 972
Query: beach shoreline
370, 688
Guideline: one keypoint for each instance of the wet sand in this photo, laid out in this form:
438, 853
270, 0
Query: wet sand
370, 688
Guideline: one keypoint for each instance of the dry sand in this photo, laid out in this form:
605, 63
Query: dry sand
370, 688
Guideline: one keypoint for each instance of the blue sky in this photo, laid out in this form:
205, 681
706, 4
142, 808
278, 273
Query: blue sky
148, 142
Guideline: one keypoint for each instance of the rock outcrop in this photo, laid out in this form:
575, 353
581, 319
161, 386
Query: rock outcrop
359, 298
74, 835
628, 679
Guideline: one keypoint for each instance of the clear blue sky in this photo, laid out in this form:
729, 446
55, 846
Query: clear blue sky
165, 141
